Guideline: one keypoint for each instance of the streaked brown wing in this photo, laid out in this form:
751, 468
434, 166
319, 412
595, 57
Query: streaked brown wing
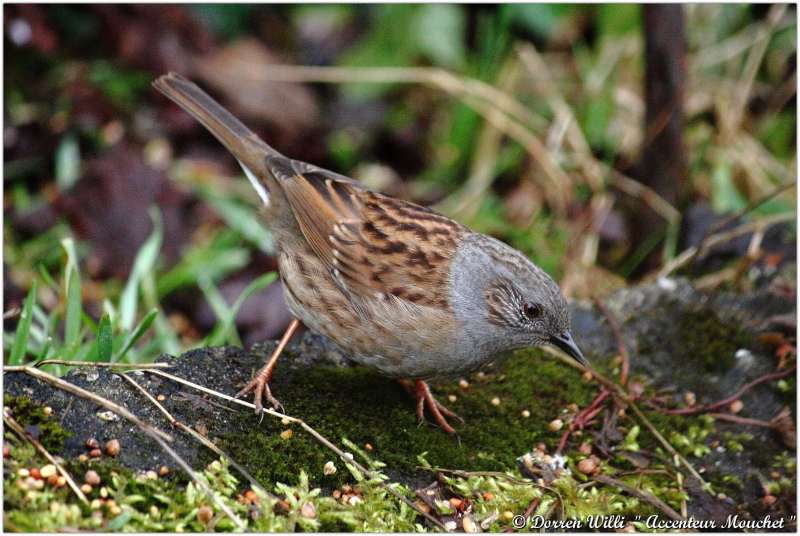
374, 244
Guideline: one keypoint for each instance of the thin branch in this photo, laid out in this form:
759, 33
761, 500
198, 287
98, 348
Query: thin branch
623, 348
641, 495
83, 393
99, 365
728, 400
369, 474
38, 446
204, 440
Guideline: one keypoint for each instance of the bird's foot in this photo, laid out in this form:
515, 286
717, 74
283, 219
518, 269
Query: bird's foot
422, 393
262, 391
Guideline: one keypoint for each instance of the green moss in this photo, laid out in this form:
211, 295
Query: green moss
357, 404
702, 339
29, 414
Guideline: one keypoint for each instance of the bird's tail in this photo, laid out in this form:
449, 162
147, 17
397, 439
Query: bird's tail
243, 143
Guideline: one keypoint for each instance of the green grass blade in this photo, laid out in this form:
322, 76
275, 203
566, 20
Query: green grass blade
17, 354
47, 278
105, 339
144, 263
221, 332
72, 317
137, 333
45, 350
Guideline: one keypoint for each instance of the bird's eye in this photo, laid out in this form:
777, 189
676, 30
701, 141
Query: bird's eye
531, 310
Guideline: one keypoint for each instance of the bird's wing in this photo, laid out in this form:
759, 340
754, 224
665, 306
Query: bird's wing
373, 244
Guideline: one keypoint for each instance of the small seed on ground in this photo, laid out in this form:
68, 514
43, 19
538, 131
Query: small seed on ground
308, 510
495, 401
286, 434
92, 478
164, 470
329, 468
463, 384
721, 496
112, 448
93, 443
87, 488
587, 466
769, 500
488, 496
452, 398
83, 458
47, 471
556, 425
690, 398
48, 410
525, 413
204, 514
468, 525
736, 406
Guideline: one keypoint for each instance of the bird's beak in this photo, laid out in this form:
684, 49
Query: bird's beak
565, 342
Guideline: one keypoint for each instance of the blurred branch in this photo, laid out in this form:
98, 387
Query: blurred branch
732, 120
480, 96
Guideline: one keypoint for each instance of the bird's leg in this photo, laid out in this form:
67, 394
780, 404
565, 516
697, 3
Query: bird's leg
422, 393
261, 382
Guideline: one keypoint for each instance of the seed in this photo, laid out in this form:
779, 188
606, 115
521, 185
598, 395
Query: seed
527, 461
556, 425
736, 406
368, 447
52, 480
488, 496
163, 471
308, 510
161, 398
61, 481
587, 466
468, 525
547, 459
48, 410
204, 514
452, 398
348, 455
336, 494
456, 503
251, 496
495, 401
508, 514
463, 384
587, 376
86, 488
153, 511
96, 453
422, 506
573, 407
31, 496
55, 506
585, 449
481, 376
38, 485
47, 471
769, 500
285, 421
6, 453
329, 468
112, 448
286, 434
83, 458
355, 499
151, 475
92, 443
25, 473
525, 413
115, 510
690, 398
775, 475
721, 496
104, 492
92, 478
96, 504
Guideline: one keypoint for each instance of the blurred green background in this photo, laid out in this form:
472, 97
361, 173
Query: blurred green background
128, 230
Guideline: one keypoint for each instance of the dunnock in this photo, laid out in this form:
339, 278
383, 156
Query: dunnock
403, 289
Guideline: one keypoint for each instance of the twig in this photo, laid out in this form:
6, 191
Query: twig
741, 420
641, 495
689, 254
83, 393
38, 446
737, 394
369, 474
204, 440
100, 365
623, 348
583, 417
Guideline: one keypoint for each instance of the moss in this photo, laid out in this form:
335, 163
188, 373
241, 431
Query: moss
357, 404
30, 414
702, 338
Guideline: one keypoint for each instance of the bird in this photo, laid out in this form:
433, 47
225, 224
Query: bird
400, 288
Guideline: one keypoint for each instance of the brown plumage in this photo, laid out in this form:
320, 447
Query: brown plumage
403, 289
